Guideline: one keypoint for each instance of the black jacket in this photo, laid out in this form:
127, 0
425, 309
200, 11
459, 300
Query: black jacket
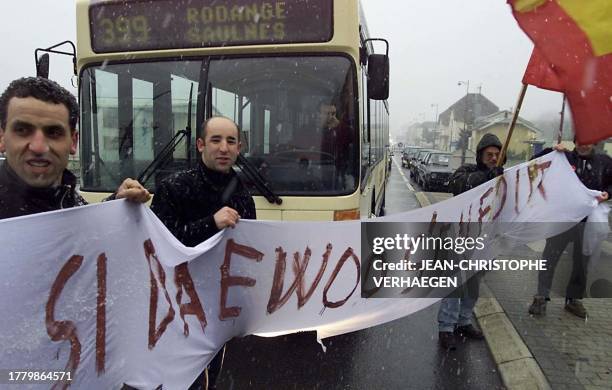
18, 198
594, 170
469, 176
187, 201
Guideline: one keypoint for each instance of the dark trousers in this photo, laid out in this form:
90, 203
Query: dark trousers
555, 246
213, 369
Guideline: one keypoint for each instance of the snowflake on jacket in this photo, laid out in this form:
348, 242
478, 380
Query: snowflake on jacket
187, 201
18, 198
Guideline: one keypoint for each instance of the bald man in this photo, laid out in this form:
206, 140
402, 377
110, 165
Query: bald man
197, 203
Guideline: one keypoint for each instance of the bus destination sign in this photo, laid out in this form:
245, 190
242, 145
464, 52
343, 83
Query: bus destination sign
135, 25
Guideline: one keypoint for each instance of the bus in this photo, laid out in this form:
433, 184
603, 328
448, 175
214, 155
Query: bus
150, 72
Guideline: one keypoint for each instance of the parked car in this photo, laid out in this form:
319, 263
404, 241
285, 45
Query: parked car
406, 152
435, 171
419, 165
412, 156
415, 160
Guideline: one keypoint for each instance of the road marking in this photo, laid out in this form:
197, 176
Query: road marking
422, 199
399, 169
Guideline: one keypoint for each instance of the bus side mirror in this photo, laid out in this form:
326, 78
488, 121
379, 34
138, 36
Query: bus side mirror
42, 66
378, 76
42, 62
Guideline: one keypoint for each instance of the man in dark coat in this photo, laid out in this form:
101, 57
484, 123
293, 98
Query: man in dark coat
37, 134
455, 314
595, 172
469, 176
197, 203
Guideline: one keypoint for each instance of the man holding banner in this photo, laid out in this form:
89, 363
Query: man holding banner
595, 172
38, 133
198, 203
455, 314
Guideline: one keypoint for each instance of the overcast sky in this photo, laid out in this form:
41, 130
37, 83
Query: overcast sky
436, 43
433, 45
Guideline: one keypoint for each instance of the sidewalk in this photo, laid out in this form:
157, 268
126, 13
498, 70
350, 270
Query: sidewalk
573, 353
558, 350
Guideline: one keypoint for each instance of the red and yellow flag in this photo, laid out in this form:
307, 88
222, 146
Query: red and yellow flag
574, 38
541, 73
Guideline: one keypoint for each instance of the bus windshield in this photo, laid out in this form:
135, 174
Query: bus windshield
297, 116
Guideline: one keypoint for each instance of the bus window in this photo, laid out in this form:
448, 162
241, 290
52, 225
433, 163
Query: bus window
130, 111
105, 129
180, 90
143, 120
244, 121
224, 103
266, 131
278, 102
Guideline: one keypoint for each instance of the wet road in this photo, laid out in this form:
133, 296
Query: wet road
402, 354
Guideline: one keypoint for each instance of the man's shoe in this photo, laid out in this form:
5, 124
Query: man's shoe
469, 332
447, 341
575, 307
538, 306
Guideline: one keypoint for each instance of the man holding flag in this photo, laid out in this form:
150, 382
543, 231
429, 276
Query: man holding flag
595, 172
573, 55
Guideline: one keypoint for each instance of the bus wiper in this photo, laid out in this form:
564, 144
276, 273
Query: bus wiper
164, 155
245, 165
260, 183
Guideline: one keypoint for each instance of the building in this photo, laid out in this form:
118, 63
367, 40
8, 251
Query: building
462, 115
606, 146
423, 134
526, 137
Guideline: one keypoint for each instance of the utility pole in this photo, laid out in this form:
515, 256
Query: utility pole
464, 135
435, 131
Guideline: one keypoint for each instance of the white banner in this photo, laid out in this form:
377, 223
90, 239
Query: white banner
107, 292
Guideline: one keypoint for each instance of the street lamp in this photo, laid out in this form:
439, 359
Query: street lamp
467, 94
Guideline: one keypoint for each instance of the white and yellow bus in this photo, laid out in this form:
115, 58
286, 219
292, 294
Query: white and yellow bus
150, 72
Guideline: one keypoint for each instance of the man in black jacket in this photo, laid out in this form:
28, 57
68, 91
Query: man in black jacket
198, 203
37, 134
469, 176
595, 172
455, 314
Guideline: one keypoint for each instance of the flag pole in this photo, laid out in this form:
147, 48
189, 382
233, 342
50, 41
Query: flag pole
561, 122
519, 103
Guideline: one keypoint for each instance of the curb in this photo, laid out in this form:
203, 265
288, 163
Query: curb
516, 365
